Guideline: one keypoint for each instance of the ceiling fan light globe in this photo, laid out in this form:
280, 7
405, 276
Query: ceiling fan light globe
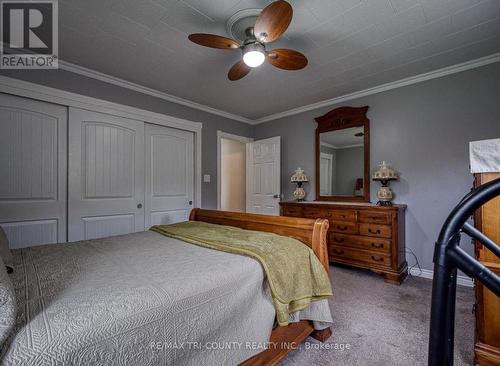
254, 58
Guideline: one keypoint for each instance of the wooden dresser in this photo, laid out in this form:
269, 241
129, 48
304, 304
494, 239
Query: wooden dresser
361, 235
487, 220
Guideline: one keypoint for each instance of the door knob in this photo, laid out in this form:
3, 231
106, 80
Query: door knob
276, 196
139, 205
190, 203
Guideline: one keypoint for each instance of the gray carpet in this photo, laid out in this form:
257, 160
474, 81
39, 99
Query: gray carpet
384, 324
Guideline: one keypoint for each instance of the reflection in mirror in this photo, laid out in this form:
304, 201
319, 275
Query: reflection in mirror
342, 162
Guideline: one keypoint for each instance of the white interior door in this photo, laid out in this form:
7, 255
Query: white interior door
32, 171
263, 176
325, 172
169, 175
106, 175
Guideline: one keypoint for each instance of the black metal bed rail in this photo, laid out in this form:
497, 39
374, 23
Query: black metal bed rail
448, 257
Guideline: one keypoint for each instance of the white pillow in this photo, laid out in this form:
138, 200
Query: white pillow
5, 252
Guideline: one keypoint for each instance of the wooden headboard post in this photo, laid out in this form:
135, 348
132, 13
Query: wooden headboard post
310, 232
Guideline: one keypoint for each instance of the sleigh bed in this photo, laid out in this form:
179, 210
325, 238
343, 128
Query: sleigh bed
136, 298
310, 232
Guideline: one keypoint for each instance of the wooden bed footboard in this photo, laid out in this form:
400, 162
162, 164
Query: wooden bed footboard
310, 232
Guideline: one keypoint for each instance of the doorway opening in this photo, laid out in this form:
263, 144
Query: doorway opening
248, 174
231, 172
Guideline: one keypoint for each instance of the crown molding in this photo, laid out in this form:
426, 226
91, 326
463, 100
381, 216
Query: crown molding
468, 65
44, 93
326, 144
145, 90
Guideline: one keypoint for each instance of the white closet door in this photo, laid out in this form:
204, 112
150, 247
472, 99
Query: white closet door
169, 175
106, 175
32, 171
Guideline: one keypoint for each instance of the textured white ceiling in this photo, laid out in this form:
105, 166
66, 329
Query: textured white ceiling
343, 138
351, 45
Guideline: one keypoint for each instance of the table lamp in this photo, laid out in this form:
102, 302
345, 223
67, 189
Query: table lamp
384, 175
299, 178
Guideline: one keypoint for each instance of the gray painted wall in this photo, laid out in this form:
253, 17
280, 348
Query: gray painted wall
423, 130
64, 80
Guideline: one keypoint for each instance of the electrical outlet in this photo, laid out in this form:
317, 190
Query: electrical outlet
206, 178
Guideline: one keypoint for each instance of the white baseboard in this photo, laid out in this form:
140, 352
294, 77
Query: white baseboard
427, 273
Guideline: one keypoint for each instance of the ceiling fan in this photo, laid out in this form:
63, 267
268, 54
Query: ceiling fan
271, 23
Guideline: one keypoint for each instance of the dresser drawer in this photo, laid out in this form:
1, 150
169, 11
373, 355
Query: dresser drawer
374, 244
344, 227
381, 231
364, 256
374, 217
342, 215
314, 213
292, 211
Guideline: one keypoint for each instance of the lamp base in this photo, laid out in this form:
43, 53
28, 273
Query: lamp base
384, 203
384, 194
299, 194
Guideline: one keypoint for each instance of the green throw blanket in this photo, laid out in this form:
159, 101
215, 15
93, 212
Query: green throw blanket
295, 275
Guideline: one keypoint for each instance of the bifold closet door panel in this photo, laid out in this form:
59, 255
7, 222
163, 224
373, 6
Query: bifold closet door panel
32, 171
106, 175
169, 175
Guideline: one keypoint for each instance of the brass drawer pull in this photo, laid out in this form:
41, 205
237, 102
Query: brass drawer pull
336, 251
342, 228
378, 259
338, 240
378, 246
374, 232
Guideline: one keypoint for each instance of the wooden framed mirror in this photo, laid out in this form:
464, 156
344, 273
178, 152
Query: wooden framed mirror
343, 155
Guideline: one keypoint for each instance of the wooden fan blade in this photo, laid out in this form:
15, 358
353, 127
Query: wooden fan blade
239, 70
273, 21
213, 41
287, 59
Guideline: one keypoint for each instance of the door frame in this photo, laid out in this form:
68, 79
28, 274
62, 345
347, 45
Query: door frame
225, 135
69, 99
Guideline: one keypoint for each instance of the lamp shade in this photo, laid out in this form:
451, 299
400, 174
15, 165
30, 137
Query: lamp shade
299, 176
385, 172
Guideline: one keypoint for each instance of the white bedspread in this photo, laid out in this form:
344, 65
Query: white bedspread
139, 299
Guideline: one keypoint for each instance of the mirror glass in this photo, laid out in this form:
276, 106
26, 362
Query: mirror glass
341, 162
